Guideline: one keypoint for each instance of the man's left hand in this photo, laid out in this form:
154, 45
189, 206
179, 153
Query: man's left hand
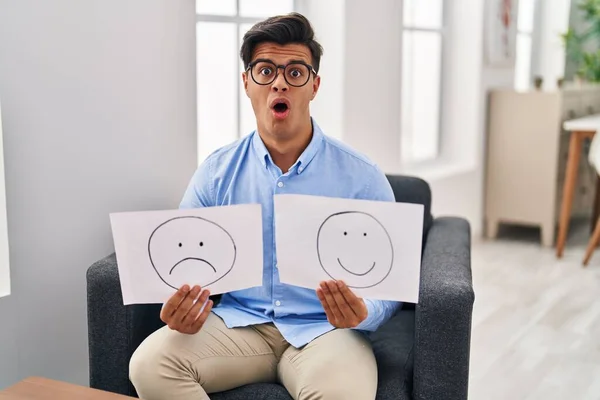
343, 308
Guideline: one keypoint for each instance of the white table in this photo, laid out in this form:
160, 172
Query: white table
581, 129
591, 123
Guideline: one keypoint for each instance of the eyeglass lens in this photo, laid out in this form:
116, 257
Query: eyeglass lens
295, 74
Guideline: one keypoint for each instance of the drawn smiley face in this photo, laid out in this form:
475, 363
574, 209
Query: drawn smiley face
354, 247
191, 250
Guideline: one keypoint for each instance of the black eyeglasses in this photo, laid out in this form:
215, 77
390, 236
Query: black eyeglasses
296, 73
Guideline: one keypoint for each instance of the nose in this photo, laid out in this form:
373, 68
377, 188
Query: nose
280, 83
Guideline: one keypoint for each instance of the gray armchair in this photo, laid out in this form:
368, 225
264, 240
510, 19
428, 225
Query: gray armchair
422, 351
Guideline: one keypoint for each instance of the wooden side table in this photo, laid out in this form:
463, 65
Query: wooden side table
36, 388
581, 129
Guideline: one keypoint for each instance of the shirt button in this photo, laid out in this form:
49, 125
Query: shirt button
300, 169
277, 303
280, 184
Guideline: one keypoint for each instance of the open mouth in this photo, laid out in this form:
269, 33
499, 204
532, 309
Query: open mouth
281, 108
354, 273
194, 259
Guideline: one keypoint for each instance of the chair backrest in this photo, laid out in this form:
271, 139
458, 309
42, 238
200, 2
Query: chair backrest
408, 189
594, 154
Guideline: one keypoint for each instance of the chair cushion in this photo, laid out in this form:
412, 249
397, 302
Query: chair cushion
393, 345
256, 391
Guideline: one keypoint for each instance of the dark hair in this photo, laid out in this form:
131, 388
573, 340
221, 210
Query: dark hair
282, 29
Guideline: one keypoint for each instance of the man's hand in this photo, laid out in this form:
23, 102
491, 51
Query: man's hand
343, 308
181, 314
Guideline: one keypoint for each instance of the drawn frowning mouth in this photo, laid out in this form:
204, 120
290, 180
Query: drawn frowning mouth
195, 259
354, 273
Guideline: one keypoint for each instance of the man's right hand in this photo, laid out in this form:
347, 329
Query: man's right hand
181, 314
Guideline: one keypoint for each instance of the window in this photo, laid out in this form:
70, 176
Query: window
4, 267
224, 111
422, 48
525, 20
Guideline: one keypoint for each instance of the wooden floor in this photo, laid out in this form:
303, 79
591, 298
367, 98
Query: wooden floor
536, 321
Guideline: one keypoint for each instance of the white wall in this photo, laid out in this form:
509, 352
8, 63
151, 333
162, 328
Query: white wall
4, 259
372, 79
327, 18
98, 106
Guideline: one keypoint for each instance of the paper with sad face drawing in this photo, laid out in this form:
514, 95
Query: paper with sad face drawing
218, 248
373, 246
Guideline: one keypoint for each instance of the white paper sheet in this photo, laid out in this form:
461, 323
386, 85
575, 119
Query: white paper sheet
218, 248
373, 246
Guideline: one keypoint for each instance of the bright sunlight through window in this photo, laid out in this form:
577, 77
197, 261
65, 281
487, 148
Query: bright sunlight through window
422, 44
525, 20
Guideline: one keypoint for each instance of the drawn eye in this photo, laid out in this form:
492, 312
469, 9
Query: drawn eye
180, 245
365, 234
345, 233
201, 244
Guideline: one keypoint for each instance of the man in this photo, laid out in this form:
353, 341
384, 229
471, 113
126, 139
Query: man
313, 342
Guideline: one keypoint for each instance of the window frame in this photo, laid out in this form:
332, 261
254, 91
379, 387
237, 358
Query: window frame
238, 20
5, 283
442, 31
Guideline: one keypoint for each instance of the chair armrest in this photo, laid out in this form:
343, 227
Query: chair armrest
444, 312
114, 330
108, 335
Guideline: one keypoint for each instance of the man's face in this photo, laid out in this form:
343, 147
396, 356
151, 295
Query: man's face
280, 108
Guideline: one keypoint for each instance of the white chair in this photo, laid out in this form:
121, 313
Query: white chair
594, 159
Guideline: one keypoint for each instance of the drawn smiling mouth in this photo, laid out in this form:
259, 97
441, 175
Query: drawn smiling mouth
354, 273
195, 259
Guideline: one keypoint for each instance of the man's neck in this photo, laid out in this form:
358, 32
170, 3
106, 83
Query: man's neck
286, 152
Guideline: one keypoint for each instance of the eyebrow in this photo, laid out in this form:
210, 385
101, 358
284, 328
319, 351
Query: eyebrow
271, 61
298, 60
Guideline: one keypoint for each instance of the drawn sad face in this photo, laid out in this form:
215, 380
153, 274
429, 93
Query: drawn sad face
354, 247
191, 250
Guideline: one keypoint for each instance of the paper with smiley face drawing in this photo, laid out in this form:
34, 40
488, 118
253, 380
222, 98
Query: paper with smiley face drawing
218, 248
372, 246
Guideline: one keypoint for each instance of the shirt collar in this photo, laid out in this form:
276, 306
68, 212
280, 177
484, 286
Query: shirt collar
305, 158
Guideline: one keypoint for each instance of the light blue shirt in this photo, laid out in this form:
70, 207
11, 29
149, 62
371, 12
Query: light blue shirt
243, 172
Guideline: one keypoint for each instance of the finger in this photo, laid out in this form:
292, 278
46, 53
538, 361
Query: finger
347, 312
199, 322
355, 302
171, 305
194, 312
335, 311
186, 304
325, 305
352, 299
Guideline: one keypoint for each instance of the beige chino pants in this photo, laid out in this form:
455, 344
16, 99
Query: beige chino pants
339, 365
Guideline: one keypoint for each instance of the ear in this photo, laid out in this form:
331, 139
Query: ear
316, 85
245, 80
